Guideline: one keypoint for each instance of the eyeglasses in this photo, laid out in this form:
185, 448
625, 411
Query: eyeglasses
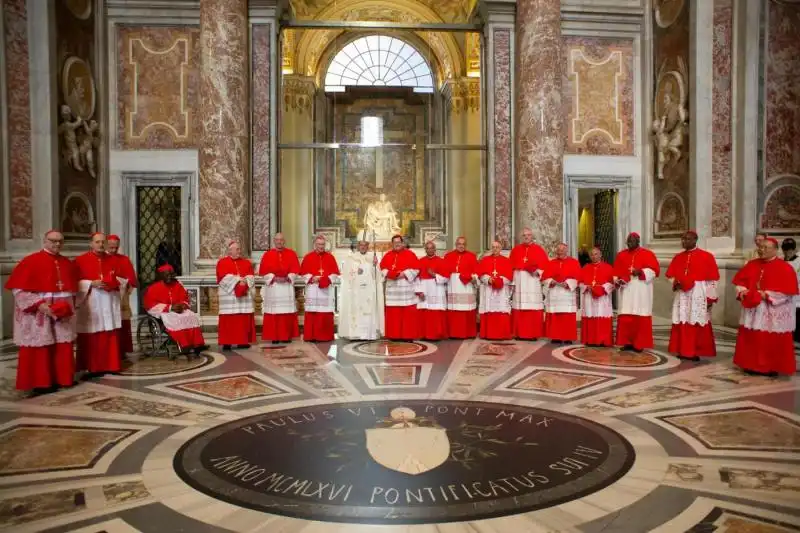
56, 241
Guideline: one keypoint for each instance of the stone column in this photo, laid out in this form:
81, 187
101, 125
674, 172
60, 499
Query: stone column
539, 135
224, 151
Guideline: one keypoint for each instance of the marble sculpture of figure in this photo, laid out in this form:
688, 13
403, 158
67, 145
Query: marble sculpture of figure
381, 219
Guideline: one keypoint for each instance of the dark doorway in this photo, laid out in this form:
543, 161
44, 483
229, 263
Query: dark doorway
158, 232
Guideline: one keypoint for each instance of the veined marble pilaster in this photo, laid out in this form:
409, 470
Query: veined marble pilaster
498, 83
17, 136
722, 160
224, 143
539, 190
262, 86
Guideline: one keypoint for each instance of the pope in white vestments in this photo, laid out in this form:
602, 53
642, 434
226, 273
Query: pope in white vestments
361, 308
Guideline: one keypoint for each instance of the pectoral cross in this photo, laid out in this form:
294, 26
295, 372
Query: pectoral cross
494, 273
321, 271
688, 260
458, 263
59, 284
594, 277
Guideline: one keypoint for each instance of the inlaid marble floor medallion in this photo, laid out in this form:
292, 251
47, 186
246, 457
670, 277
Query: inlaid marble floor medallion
386, 349
603, 357
404, 461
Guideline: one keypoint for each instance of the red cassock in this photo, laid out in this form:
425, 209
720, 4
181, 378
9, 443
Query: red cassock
318, 323
496, 323
46, 356
689, 338
764, 341
124, 269
560, 325
400, 306
528, 324
99, 351
597, 330
236, 328
169, 294
461, 323
433, 322
634, 329
280, 326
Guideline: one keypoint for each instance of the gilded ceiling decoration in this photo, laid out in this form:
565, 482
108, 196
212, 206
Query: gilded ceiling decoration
312, 45
446, 10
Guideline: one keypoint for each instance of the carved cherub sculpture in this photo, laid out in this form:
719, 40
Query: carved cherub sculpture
669, 130
67, 131
89, 141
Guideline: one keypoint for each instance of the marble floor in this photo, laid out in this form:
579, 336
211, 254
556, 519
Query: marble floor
445, 437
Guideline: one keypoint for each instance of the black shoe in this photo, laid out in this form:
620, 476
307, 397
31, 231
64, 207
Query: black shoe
628, 347
685, 358
226, 347
242, 346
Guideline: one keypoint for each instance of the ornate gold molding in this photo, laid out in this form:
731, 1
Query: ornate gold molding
464, 95
298, 93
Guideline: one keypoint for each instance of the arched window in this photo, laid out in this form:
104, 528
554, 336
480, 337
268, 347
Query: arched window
378, 60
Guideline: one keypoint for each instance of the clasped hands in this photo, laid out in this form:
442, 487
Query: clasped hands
178, 308
554, 283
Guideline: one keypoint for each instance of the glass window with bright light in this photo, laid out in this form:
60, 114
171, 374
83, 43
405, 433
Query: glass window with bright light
379, 61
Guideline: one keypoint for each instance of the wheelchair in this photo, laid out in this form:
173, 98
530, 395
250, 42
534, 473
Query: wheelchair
153, 339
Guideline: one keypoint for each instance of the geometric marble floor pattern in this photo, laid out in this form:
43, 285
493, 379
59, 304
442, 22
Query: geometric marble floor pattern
471, 436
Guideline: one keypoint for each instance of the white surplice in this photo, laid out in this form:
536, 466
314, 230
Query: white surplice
229, 303
37, 329
492, 300
361, 305
691, 307
592, 307
98, 309
317, 299
636, 297
435, 291
278, 297
558, 299
461, 296
528, 294
400, 291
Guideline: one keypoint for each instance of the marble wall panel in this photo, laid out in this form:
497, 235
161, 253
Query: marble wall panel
780, 184
598, 88
722, 101
671, 111
157, 87
18, 141
261, 81
503, 148
77, 60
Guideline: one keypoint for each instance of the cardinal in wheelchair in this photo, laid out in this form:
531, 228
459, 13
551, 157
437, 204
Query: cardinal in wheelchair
168, 301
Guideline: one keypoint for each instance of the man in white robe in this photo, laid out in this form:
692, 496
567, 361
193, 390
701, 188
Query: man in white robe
361, 307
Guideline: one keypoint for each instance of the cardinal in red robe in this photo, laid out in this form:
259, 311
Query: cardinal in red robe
279, 267
634, 271
527, 305
462, 303
236, 279
560, 279
124, 269
168, 300
99, 310
44, 285
495, 273
319, 270
431, 289
694, 276
400, 268
766, 288
597, 284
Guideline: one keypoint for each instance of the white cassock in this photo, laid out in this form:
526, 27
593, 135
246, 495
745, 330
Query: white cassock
361, 306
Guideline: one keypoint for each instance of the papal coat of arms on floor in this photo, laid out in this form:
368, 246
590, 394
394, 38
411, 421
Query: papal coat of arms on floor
407, 447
